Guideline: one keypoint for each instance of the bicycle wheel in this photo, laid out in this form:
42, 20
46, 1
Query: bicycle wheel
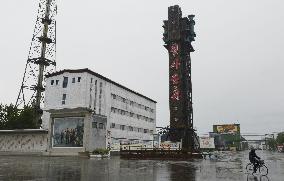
249, 168
263, 170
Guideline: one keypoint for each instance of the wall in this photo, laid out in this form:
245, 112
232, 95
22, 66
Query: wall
76, 92
127, 120
23, 141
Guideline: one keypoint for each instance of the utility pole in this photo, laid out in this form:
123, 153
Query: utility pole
41, 59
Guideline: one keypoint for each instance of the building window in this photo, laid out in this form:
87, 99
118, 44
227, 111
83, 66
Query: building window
73, 80
52, 82
122, 127
151, 131
146, 131
95, 100
57, 81
101, 125
94, 125
139, 130
130, 128
100, 97
63, 99
91, 80
114, 110
112, 125
79, 79
65, 82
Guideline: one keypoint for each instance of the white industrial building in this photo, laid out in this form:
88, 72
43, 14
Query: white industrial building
84, 110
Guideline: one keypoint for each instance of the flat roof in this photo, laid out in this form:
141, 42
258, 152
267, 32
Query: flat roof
99, 76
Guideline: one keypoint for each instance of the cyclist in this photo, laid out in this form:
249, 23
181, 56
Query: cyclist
254, 159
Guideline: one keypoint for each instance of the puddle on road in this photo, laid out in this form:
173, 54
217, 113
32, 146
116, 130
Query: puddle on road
227, 166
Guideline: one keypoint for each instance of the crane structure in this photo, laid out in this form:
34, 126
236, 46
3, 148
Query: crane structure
41, 59
178, 35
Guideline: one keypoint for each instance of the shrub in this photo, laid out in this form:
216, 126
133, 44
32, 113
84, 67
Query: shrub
101, 151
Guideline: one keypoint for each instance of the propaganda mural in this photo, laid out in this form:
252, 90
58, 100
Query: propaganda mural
68, 132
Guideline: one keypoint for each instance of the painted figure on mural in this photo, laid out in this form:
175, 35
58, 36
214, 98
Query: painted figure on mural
68, 133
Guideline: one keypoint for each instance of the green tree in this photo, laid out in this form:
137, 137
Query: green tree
280, 138
14, 118
272, 144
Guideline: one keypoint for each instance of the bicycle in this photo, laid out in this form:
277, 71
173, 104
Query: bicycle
262, 168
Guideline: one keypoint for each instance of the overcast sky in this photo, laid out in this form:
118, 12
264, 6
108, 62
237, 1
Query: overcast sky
237, 66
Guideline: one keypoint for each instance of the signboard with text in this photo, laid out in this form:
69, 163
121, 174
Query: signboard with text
206, 142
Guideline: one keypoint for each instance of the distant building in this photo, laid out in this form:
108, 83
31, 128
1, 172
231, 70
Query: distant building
85, 110
228, 137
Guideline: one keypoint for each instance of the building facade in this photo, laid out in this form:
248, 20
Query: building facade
228, 137
85, 110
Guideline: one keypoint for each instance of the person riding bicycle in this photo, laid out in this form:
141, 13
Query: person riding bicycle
254, 159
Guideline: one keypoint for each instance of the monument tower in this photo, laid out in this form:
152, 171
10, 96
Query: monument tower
178, 35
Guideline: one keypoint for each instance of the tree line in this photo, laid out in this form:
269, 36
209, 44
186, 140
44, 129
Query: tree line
272, 142
13, 118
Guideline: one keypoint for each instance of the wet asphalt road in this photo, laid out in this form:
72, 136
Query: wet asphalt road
229, 166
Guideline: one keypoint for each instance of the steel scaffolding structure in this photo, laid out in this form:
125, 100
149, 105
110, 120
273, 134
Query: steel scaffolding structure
41, 58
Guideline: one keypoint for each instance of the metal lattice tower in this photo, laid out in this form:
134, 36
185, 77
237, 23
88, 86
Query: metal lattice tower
178, 35
41, 57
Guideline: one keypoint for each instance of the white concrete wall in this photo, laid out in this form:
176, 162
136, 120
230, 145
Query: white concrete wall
76, 92
23, 142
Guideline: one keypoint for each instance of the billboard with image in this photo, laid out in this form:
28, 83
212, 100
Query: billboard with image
227, 128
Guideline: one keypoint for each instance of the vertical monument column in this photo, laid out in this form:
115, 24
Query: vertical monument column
178, 35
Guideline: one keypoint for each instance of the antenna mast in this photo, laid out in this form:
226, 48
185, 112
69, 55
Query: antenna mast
41, 58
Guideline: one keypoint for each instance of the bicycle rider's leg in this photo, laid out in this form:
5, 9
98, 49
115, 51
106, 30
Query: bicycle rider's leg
254, 166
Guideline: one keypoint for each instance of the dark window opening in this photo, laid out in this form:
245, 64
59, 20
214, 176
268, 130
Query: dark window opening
94, 125
122, 127
101, 125
79, 79
65, 82
112, 125
57, 81
73, 80
63, 99
52, 82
